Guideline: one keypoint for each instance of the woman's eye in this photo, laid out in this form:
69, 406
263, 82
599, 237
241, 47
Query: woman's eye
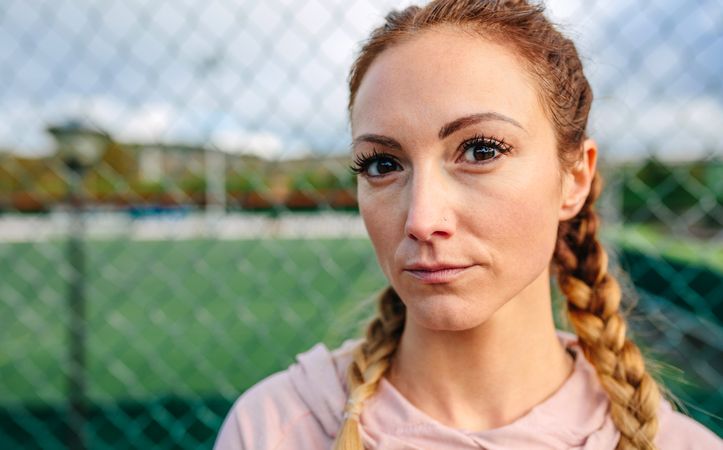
482, 149
381, 165
479, 152
375, 165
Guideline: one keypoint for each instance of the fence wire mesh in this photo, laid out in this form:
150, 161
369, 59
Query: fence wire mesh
217, 235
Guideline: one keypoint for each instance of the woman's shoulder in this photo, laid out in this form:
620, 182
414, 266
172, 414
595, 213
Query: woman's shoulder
676, 431
261, 416
299, 407
679, 432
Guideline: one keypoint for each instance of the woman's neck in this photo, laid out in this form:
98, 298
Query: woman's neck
484, 377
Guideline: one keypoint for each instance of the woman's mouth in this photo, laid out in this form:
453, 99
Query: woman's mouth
436, 274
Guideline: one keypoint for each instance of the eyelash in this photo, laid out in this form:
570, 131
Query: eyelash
362, 161
497, 144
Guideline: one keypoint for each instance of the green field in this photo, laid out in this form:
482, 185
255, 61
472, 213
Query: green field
178, 329
185, 317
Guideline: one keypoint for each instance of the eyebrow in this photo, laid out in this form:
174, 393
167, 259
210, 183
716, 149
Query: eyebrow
444, 132
377, 139
472, 119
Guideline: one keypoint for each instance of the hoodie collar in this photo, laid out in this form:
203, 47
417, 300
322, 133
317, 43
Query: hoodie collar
575, 416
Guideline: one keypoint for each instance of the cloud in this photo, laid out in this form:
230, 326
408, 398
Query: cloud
264, 144
148, 73
143, 123
670, 129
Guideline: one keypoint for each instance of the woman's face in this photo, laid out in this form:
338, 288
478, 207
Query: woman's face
460, 187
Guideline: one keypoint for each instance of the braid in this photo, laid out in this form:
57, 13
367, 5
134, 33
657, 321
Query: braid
593, 301
371, 361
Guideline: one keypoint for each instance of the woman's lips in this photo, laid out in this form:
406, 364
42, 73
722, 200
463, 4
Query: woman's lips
436, 275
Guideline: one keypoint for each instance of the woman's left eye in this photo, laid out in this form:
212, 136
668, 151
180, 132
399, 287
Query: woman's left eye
479, 150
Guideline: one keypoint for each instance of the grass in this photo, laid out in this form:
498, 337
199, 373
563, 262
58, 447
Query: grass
652, 240
195, 320
184, 317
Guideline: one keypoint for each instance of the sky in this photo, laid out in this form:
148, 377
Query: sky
269, 76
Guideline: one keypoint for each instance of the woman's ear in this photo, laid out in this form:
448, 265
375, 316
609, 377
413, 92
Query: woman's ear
577, 180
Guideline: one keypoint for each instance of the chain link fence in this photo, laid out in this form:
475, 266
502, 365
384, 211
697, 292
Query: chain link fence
216, 235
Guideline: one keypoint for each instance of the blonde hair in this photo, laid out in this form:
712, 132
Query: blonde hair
580, 263
370, 362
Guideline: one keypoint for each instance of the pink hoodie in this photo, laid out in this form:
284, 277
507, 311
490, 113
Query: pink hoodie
301, 408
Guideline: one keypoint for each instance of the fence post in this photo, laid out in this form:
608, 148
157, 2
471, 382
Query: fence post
80, 147
77, 325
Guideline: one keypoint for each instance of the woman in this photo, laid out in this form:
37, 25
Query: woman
477, 182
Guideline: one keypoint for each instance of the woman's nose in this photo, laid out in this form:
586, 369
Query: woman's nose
429, 213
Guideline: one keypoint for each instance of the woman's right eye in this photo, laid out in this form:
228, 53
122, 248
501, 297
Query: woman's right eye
375, 165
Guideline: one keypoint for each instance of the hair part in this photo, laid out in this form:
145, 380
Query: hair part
580, 263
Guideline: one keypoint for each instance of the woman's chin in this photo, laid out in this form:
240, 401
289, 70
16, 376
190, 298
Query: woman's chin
446, 313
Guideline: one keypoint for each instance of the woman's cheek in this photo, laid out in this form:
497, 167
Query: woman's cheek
379, 213
517, 217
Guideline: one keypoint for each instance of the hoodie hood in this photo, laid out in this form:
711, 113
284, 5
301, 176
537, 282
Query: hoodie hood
319, 379
575, 416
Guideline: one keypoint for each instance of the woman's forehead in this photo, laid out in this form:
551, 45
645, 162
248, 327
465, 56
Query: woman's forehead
442, 74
